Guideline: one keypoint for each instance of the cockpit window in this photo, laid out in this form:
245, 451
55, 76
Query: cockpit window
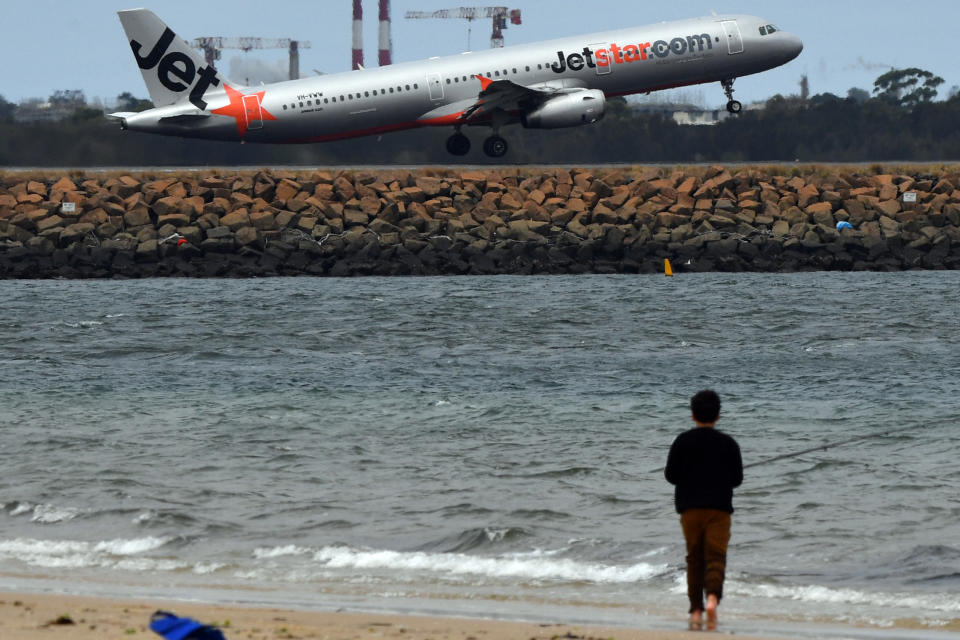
771, 29
763, 31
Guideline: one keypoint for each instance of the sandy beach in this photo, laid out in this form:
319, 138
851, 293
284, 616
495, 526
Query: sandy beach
34, 617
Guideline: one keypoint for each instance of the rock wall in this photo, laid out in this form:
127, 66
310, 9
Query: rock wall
507, 221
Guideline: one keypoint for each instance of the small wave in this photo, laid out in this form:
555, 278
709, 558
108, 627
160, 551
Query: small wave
119, 553
524, 568
43, 513
83, 324
263, 553
828, 595
472, 539
553, 473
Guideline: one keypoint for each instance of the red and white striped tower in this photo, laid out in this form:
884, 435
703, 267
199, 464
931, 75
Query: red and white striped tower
386, 44
357, 34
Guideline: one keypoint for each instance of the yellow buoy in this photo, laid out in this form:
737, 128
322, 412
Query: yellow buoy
667, 269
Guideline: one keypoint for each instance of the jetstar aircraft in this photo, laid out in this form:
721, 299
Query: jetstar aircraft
547, 85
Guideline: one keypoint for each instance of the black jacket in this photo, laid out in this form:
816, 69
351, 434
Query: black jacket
705, 466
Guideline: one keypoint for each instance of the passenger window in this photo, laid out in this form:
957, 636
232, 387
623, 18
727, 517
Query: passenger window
416, 86
366, 94
448, 80
408, 87
528, 67
284, 107
301, 105
497, 73
374, 92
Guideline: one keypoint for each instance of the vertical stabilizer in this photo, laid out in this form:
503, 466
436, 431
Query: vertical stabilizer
172, 70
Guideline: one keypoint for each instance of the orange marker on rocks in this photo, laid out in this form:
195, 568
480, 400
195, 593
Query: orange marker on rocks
667, 268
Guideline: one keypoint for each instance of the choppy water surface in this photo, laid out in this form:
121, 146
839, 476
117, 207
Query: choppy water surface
482, 445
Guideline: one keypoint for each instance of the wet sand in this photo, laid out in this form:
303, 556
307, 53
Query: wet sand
34, 617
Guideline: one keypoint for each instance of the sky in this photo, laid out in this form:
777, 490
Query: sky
66, 44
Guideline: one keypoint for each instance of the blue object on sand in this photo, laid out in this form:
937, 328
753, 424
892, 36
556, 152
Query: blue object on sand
173, 627
843, 224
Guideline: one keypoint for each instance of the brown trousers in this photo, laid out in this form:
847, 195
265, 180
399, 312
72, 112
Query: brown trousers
707, 532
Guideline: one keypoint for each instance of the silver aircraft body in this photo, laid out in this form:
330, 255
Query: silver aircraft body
545, 85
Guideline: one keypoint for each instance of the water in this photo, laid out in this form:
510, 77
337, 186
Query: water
487, 446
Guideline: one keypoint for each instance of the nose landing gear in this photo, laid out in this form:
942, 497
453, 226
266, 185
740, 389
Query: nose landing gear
733, 106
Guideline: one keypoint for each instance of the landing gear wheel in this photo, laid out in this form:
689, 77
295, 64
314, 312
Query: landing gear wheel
495, 147
733, 106
458, 144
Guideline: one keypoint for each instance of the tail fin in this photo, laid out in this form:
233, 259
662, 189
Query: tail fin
172, 70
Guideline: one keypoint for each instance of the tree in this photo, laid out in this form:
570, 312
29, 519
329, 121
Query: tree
903, 87
68, 97
858, 95
6, 110
126, 101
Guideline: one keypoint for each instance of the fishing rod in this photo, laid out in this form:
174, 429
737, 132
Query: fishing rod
824, 447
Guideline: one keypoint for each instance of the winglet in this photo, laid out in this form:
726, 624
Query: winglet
484, 82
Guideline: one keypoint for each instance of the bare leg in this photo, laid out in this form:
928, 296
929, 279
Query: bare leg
696, 620
712, 604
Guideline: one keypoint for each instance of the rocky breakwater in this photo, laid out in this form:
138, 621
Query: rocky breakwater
507, 221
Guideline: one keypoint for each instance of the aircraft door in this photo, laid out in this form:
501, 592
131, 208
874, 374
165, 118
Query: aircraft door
436, 86
734, 39
251, 109
602, 70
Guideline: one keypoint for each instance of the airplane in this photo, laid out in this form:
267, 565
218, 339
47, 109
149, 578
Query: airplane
545, 85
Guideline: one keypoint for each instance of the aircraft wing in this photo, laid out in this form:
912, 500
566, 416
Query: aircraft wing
506, 95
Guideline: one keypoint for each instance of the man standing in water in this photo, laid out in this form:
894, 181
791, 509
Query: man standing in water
705, 465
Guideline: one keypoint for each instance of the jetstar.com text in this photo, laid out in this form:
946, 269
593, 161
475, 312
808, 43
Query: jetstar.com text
616, 54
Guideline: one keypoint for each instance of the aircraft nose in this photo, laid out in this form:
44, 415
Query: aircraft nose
792, 46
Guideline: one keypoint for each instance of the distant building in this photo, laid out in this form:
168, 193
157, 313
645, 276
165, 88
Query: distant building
37, 110
60, 106
687, 114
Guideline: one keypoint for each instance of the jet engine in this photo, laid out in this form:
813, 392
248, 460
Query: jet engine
585, 106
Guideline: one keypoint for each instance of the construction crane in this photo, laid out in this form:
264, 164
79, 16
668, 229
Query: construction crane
212, 46
498, 15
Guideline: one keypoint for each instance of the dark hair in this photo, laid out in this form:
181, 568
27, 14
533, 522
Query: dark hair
705, 406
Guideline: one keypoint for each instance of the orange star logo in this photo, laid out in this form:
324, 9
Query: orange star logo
244, 109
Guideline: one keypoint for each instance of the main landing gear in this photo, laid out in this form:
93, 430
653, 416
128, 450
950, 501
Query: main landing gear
494, 146
458, 144
733, 106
